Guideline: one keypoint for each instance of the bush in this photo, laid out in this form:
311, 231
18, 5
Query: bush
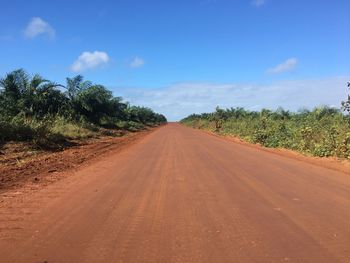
22, 129
130, 125
72, 130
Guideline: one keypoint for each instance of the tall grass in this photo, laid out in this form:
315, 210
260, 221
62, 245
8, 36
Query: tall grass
45, 133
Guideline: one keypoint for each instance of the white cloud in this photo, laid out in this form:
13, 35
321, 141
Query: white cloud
287, 65
179, 100
90, 60
137, 62
258, 3
38, 26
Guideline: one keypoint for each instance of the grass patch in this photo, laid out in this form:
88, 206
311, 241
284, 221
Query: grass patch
71, 130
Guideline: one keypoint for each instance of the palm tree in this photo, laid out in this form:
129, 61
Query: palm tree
12, 89
76, 85
21, 93
41, 93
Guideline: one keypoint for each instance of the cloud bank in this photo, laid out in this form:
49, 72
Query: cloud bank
287, 65
90, 60
38, 26
181, 99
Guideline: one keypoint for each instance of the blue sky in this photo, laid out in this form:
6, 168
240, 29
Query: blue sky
180, 57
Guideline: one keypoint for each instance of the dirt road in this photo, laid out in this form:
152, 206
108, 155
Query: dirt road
180, 195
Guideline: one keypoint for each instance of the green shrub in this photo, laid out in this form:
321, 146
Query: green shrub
130, 125
72, 130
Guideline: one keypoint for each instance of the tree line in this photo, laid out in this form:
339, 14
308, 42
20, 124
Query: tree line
32, 106
323, 131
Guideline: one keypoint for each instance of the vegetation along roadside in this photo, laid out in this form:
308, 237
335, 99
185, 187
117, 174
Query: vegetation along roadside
50, 115
39, 119
323, 131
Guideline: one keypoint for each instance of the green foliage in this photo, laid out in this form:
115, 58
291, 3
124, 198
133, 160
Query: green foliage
72, 130
33, 97
218, 117
97, 103
144, 115
130, 125
36, 109
323, 131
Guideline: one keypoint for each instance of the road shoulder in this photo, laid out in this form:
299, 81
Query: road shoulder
48, 167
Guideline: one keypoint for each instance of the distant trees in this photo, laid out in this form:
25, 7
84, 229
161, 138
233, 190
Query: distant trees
27, 99
144, 115
324, 131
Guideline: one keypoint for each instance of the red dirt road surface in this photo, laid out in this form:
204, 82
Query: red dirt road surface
181, 195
